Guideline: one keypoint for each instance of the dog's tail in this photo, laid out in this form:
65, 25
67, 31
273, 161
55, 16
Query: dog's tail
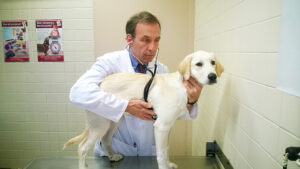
78, 139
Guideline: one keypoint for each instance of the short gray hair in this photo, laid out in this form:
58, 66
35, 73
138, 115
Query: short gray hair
143, 16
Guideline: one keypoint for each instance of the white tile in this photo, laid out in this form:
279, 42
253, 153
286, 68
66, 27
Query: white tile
268, 136
57, 98
85, 46
54, 13
71, 108
24, 14
85, 56
82, 24
290, 114
247, 92
242, 142
248, 12
270, 105
55, 77
83, 67
264, 69
238, 161
258, 158
77, 35
80, 4
66, 14
79, 13
246, 39
35, 14
70, 67
253, 66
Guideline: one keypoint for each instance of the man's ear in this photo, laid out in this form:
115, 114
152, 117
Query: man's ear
219, 68
129, 39
184, 67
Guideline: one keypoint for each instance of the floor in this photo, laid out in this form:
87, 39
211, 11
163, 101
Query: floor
192, 162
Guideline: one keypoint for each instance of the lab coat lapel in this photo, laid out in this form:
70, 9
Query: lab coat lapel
125, 63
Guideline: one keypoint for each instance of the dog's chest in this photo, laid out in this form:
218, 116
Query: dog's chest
168, 89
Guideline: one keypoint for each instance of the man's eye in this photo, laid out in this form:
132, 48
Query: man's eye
199, 64
146, 40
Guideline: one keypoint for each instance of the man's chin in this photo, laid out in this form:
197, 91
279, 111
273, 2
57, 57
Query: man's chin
147, 59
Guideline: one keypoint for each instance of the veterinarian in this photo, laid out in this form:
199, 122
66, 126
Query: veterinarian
134, 137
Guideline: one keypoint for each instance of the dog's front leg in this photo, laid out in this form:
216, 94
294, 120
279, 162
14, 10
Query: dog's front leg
161, 133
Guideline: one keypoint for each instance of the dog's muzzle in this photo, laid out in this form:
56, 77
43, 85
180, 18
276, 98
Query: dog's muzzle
212, 77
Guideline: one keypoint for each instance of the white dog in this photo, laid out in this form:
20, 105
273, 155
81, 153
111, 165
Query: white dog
167, 95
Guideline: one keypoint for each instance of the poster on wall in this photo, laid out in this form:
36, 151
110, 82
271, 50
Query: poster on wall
49, 40
15, 40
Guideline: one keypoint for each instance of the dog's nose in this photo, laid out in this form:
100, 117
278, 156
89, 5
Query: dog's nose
212, 77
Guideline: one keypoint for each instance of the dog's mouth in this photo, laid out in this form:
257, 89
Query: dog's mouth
212, 82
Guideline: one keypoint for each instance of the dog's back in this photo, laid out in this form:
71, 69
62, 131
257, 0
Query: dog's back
125, 85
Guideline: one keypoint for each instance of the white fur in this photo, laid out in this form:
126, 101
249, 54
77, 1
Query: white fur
167, 95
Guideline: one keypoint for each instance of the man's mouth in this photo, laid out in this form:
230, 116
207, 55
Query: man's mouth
149, 54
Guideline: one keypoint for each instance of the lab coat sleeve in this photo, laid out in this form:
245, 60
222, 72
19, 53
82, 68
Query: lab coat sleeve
87, 94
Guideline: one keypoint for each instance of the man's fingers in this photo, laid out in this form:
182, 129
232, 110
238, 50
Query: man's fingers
193, 82
145, 104
140, 109
149, 112
187, 84
147, 117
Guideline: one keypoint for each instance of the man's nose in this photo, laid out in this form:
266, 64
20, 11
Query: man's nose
152, 46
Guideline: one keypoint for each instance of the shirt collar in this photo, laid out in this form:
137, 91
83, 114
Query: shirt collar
134, 62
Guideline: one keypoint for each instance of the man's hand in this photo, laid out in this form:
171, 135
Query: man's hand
193, 89
140, 109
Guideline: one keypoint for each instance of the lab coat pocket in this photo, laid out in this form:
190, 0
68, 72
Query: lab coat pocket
123, 148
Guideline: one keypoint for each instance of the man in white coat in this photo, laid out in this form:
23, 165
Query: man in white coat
134, 136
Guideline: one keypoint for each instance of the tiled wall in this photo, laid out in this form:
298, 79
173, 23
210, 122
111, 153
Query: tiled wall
250, 119
36, 117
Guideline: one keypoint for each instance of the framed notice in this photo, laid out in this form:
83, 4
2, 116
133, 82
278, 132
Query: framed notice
49, 40
15, 42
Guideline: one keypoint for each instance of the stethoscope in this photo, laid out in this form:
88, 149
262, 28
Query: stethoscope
147, 86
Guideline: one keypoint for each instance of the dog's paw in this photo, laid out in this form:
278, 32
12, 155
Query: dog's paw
115, 157
172, 165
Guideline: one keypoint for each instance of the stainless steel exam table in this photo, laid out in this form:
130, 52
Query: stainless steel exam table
183, 162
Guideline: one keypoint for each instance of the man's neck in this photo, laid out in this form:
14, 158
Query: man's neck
136, 58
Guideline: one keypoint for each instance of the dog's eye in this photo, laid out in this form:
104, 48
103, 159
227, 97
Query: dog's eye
199, 64
213, 62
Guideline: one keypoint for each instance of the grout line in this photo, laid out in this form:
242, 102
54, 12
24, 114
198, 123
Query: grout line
256, 113
239, 27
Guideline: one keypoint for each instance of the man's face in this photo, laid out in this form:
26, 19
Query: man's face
146, 41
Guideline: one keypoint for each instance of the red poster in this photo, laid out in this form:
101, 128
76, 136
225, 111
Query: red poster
49, 36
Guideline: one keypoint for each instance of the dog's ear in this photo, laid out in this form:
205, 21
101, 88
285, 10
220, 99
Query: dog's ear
219, 68
184, 67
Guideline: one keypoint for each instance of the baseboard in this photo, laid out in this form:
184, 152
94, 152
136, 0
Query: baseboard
213, 150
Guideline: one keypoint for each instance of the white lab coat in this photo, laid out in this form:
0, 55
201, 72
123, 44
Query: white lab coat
134, 136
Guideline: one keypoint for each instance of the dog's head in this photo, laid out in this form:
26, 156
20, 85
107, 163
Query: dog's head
202, 66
